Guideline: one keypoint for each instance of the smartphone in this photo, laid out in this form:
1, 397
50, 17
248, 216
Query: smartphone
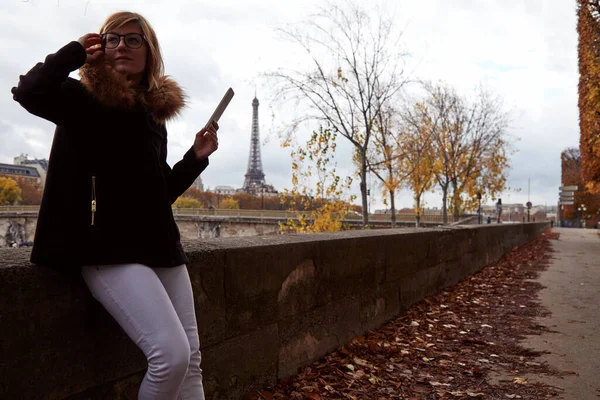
221, 107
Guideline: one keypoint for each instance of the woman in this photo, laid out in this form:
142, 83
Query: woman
106, 208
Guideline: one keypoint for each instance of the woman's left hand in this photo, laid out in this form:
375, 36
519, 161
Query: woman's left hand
206, 141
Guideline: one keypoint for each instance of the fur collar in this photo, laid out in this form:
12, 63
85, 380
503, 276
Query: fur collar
163, 102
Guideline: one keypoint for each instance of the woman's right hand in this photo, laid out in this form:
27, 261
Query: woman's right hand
92, 43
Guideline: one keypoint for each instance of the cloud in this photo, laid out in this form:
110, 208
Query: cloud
526, 50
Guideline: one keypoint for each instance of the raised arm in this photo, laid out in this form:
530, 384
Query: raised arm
47, 91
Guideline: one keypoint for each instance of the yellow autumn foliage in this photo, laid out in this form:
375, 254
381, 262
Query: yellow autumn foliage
10, 192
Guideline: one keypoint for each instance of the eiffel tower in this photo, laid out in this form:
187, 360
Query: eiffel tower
255, 177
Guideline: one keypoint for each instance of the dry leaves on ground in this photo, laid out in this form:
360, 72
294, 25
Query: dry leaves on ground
445, 346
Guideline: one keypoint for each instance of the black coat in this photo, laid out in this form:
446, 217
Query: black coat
111, 152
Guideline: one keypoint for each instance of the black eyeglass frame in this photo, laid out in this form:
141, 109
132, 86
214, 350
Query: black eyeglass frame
104, 35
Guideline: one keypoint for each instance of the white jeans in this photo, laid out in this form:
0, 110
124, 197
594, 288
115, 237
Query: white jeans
155, 307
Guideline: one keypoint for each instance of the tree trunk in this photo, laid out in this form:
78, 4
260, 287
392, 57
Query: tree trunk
418, 216
445, 204
393, 208
455, 202
392, 198
363, 190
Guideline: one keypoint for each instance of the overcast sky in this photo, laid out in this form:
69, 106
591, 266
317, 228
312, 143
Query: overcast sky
525, 49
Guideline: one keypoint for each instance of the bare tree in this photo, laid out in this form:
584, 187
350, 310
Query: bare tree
470, 142
357, 69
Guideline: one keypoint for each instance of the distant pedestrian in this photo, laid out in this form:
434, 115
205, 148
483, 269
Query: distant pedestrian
499, 210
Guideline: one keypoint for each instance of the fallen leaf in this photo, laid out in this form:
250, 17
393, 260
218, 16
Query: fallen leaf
414, 323
265, 395
520, 381
329, 388
571, 372
360, 361
350, 367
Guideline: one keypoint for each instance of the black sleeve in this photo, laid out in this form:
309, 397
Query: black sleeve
45, 91
184, 173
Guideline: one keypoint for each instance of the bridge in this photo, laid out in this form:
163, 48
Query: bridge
17, 223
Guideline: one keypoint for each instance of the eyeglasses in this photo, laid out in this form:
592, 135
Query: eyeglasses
112, 40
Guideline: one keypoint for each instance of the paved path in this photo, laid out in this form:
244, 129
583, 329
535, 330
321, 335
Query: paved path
572, 295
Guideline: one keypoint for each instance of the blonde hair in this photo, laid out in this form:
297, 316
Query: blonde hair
155, 67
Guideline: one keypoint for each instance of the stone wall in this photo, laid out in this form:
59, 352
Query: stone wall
193, 227
265, 306
17, 229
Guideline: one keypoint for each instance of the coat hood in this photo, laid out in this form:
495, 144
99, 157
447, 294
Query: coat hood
164, 101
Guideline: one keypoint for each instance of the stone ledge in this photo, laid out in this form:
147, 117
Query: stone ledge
265, 306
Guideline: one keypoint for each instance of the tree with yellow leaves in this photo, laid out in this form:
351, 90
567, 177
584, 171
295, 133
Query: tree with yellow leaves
470, 143
417, 154
314, 179
10, 192
385, 155
187, 202
588, 28
230, 204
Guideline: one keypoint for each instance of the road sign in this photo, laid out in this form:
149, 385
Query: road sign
567, 196
568, 188
566, 203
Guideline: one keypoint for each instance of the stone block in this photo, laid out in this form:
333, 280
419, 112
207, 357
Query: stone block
237, 365
307, 337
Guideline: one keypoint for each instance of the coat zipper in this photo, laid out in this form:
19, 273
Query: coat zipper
93, 198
